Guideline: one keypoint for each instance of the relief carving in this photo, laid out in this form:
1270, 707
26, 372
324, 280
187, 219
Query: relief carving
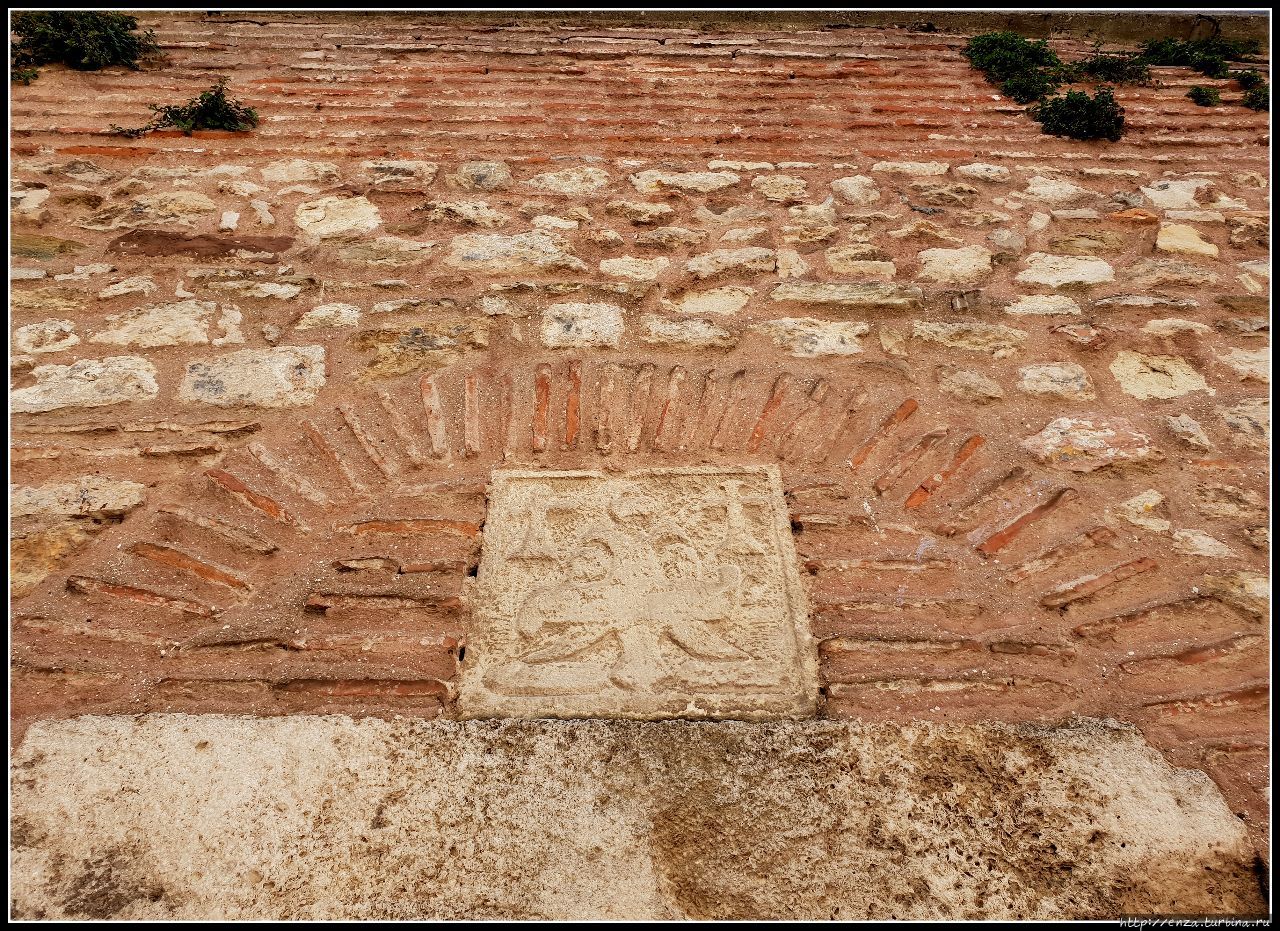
661, 593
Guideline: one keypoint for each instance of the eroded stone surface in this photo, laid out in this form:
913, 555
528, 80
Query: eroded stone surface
337, 217
664, 593
531, 251
1146, 376
86, 383
287, 376
1087, 444
870, 295
181, 323
1065, 271
87, 496
807, 337
330, 817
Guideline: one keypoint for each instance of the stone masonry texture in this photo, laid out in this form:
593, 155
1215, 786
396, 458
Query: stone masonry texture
1013, 391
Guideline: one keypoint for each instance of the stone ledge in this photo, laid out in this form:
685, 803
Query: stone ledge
1115, 26
205, 817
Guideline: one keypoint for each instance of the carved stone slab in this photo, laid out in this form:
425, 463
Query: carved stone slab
655, 594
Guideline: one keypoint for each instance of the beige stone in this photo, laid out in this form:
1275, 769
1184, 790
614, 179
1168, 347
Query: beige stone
712, 301
86, 383
185, 323
1254, 364
719, 261
528, 252
1249, 422
791, 264
1056, 191
473, 212
387, 251
1146, 510
1087, 243
1057, 379
999, 340
313, 818
1175, 326
281, 290
44, 300
407, 175
811, 222
783, 189
692, 334
1188, 429
861, 295
297, 170
807, 337
1086, 444
893, 341
970, 386
1231, 503
329, 315
641, 213
945, 194
578, 325
337, 217
85, 272
858, 190
1247, 590
664, 237
745, 234
286, 376
697, 182
925, 230
1176, 194
1043, 305
845, 262
170, 207
979, 171
481, 176
674, 595
1183, 239
574, 182
1154, 273
138, 284
1199, 543
740, 213
1144, 376
1065, 271
86, 496
957, 266
918, 169
46, 336
635, 269
719, 164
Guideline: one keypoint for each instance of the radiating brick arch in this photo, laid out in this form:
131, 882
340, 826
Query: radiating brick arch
324, 565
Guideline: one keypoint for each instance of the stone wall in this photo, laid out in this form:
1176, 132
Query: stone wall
1016, 386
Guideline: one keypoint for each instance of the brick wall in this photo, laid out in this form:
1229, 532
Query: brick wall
1022, 488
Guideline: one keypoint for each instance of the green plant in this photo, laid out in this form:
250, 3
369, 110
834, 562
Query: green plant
83, 41
1208, 56
1029, 86
1204, 96
1115, 69
19, 73
1003, 55
1248, 80
211, 110
1079, 116
1258, 98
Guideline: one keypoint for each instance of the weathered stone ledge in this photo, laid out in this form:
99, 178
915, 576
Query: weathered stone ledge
204, 817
